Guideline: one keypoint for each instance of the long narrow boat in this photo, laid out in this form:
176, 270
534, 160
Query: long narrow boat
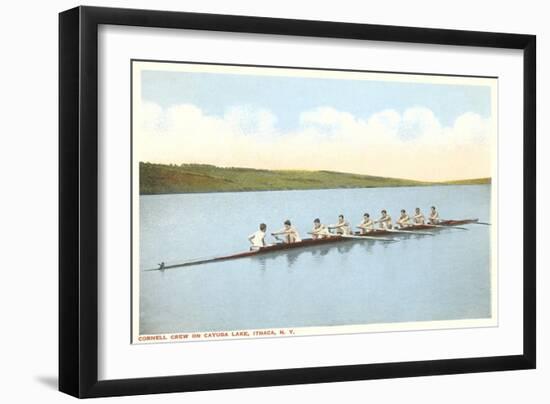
420, 227
309, 242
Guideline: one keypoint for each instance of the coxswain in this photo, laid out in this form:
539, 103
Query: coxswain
257, 239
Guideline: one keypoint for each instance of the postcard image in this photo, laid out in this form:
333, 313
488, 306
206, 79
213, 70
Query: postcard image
279, 202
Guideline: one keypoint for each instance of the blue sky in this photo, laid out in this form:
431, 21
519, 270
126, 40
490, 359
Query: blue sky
287, 97
322, 122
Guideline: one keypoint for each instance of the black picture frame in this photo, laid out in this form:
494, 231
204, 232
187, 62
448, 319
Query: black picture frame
78, 200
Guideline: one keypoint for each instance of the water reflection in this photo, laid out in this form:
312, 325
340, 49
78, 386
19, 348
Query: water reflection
316, 253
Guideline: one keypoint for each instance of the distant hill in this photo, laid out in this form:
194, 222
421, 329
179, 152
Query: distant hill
188, 178
475, 181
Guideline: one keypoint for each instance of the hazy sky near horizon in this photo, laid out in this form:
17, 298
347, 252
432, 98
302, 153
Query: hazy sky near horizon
417, 130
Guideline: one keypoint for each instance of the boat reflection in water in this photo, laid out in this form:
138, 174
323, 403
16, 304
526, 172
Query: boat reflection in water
317, 253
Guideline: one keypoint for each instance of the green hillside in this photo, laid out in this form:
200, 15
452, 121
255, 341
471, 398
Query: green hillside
476, 181
185, 178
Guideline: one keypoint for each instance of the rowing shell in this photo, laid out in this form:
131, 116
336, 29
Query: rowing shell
307, 242
377, 234
418, 228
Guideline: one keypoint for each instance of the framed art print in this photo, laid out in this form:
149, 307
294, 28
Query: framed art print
250, 201
215, 146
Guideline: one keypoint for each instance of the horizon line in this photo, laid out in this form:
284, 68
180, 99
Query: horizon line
319, 170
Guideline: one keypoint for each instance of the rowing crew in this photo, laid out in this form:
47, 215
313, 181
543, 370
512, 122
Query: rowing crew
290, 234
404, 220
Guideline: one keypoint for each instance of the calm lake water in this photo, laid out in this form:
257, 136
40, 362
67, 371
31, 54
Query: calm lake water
420, 278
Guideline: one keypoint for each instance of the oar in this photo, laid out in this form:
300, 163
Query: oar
410, 232
449, 220
447, 227
328, 235
367, 237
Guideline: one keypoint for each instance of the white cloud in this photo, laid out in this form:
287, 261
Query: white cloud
327, 118
250, 121
413, 144
385, 121
418, 122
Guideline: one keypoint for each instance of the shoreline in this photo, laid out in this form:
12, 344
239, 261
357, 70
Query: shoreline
310, 189
161, 179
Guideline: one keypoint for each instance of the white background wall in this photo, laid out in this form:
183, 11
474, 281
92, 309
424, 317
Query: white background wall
28, 199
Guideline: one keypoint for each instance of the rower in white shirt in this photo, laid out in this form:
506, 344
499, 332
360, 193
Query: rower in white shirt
384, 220
319, 230
404, 220
418, 218
257, 239
434, 216
289, 232
367, 225
342, 227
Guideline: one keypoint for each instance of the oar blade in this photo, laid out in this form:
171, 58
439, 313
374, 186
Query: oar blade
367, 237
423, 233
